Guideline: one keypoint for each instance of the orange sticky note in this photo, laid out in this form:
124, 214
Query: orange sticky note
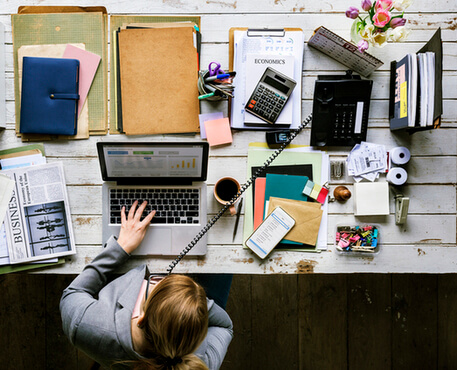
218, 132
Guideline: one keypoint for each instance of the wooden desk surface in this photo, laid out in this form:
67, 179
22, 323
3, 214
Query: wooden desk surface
426, 243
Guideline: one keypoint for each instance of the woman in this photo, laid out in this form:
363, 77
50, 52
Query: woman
139, 320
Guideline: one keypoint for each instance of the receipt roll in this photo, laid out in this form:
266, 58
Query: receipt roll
397, 176
400, 155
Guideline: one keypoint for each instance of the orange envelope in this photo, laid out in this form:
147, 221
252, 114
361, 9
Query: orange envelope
307, 216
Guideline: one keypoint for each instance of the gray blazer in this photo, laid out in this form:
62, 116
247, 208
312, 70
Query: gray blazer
96, 315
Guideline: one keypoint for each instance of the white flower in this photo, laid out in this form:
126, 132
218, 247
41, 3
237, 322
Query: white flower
379, 39
398, 34
366, 33
401, 5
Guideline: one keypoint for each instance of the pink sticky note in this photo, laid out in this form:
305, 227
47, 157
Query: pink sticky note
88, 64
207, 117
218, 131
322, 195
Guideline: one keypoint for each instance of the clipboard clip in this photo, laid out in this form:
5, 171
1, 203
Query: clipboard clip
266, 32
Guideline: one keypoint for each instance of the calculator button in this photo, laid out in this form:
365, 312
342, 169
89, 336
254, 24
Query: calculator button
251, 106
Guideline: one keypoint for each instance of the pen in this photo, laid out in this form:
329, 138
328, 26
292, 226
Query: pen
221, 90
217, 77
206, 96
237, 218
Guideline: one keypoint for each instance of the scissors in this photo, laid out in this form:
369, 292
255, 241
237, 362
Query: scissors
216, 70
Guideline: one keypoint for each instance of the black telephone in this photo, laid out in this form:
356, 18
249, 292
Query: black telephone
243, 188
340, 110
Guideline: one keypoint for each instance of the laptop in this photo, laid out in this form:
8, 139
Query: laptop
171, 177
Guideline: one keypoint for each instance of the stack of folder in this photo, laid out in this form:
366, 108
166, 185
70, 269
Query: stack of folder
282, 184
83, 39
155, 72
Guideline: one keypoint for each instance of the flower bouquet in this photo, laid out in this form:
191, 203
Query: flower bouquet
380, 24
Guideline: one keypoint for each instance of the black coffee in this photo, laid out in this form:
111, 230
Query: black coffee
226, 190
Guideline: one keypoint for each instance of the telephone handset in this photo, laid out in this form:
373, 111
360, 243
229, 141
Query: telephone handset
243, 188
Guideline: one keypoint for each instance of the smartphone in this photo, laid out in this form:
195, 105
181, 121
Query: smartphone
270, 232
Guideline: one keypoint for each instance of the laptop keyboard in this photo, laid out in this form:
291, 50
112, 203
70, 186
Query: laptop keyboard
173, 206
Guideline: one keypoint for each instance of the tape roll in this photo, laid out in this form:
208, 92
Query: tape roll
397, 176
400, 155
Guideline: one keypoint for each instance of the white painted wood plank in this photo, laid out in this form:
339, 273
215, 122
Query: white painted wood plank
424, 199
228, 259
425, 143
426, 243
421, 170
429, 229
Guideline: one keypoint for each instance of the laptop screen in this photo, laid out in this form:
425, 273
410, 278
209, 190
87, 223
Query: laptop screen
140, 161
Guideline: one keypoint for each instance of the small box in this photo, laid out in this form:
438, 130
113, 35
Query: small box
357, 240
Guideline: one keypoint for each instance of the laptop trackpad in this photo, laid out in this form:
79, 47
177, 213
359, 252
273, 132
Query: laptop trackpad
156, 242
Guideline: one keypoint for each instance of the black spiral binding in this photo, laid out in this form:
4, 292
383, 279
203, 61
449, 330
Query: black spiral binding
235, 198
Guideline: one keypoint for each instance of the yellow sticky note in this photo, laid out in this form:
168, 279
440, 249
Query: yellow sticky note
316, 190
404, 99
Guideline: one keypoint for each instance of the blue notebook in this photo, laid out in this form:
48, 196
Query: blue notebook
50, 94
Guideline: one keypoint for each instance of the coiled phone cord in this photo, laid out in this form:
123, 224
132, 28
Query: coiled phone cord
243, 188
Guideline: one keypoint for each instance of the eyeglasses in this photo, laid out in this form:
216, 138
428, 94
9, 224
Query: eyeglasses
151, 278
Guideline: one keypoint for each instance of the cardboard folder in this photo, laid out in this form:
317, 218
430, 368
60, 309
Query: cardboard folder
307, 216
159, 71
118, 22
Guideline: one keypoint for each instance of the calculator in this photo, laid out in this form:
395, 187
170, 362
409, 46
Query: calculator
270, 96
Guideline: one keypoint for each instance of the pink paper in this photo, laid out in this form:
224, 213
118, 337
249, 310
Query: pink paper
207, 117
88, 64
218, 131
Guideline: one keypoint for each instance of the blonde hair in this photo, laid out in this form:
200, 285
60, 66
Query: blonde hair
175, 324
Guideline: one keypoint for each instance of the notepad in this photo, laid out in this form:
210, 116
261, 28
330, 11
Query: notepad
371, 198
207, 117
218, 131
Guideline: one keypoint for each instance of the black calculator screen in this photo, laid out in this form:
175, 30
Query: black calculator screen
278, 86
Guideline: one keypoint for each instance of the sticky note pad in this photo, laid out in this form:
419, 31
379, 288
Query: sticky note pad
315, 192
218, 131
308, 188
322, 195
207, 117
371, 198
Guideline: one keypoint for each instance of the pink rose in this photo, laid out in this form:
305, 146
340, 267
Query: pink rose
397, 22
381, 18
362, 45
383, 4
366, 5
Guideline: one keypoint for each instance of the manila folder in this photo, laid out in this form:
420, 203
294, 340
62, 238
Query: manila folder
159, 71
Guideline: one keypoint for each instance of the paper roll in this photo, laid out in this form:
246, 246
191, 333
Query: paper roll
400, 155
397, 176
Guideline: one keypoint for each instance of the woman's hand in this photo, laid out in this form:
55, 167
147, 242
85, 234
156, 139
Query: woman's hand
133, 229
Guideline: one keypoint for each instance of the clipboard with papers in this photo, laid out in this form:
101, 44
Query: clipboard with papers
265, 42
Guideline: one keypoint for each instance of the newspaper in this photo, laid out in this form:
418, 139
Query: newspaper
38, 224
